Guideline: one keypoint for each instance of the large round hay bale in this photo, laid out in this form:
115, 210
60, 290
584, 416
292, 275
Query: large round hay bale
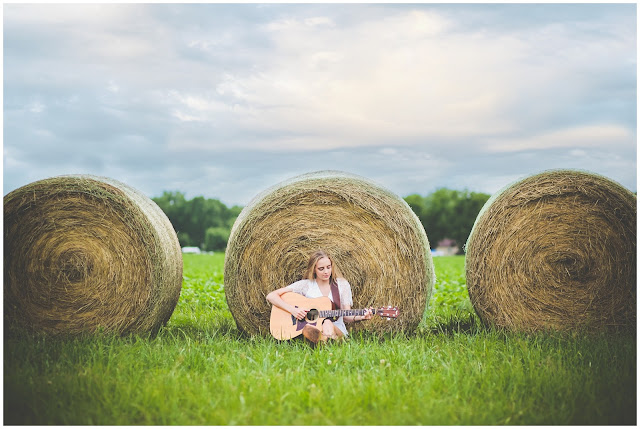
376, 241
555, 251
85, 253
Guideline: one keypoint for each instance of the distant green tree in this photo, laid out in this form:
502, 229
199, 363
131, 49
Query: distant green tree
417, 203
174, 205
184, 239
192, 218
216, 238
447, 214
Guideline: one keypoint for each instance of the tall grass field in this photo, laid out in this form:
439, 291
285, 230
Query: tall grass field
199, 370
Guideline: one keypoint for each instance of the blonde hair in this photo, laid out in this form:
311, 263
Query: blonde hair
313, 261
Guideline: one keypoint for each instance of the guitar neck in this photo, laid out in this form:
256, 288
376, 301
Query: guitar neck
338, 313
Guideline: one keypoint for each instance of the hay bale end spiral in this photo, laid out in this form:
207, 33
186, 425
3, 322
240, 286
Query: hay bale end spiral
85, 253
376, 241
555, 251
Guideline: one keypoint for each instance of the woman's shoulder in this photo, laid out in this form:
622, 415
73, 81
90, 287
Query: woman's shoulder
304, 283
342, 281
345, 291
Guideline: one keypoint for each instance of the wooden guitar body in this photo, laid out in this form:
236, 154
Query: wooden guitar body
284, 326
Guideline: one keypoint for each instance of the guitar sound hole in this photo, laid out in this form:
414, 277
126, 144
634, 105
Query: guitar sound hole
312, 315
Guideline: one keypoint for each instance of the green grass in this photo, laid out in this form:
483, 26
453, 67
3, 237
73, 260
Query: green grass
200, 371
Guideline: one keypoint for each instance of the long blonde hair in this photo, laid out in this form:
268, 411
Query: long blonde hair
313, 261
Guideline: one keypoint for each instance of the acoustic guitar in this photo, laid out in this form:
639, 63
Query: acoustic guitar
284, 326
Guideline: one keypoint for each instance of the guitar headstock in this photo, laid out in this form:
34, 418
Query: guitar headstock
388, 312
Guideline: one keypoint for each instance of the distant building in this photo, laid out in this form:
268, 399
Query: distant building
191, 249
447, 247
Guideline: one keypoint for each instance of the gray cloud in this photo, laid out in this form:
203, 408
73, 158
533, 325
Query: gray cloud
225, 100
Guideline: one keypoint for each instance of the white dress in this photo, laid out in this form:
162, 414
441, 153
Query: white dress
310, 289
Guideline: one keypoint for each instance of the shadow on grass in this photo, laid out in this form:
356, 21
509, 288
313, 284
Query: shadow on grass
221, 328
467, 324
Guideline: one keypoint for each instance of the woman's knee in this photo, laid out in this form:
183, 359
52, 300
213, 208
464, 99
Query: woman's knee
328, 328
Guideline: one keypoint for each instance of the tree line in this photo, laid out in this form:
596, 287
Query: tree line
447, 216
199, 222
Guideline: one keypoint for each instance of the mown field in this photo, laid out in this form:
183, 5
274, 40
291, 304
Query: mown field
200, 371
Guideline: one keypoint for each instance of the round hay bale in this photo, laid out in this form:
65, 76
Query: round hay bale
85, 253
376, 241
555, 251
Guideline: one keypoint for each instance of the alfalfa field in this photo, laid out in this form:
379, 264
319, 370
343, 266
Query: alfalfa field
200, 370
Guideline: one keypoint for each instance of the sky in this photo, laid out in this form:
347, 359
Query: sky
227, 100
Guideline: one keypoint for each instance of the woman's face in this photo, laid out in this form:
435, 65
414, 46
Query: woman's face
323, 269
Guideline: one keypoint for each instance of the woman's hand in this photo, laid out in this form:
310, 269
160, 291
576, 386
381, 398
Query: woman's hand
368, 314
275, 298
299, 313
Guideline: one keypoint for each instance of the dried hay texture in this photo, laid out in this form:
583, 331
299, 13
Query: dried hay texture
376, 241
555, 251
85, 253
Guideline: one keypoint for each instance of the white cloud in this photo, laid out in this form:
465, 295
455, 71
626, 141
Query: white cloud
103, 30
388, 151
70, 15
408, 95
36, 107
113, 87
606, 135
319, 21
196, 108
404, 76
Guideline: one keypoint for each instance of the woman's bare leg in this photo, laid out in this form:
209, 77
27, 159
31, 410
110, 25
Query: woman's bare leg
330, 330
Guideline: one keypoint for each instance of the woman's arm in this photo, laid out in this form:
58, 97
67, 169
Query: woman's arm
352, 319
345, 297
274, 298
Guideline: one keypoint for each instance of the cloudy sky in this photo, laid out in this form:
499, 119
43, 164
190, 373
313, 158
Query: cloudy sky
225, 100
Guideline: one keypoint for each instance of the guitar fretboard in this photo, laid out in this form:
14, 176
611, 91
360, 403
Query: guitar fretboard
338, 313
